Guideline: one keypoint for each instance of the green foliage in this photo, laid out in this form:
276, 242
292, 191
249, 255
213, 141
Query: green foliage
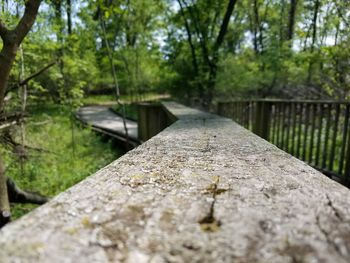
151, 49
130, 30
130, 111
99, 100
56, 167
258, 57
239, 75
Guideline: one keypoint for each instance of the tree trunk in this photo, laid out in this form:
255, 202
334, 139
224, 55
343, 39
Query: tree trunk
201, 34
256, 25
291, 23
4, 201
209, 51
60, 39
282, 30
314, 24
192, 48
215, 55
11, 41
69, 17
189, 39
313, 41
7, 57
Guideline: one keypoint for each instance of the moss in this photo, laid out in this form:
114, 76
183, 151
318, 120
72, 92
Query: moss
210, 224
86, 222
72, 231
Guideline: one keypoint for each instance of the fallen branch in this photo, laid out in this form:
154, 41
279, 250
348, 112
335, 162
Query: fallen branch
7, 125
13, 116
17, 195
40, 123
24, 82
18, 147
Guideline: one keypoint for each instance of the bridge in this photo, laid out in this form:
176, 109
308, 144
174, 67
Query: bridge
104, 120
204, 189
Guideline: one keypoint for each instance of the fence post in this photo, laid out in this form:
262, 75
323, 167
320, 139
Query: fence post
220, 108
262, 119
346, 179
151, 120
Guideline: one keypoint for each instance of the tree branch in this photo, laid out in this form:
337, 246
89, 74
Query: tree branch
3, 29
17, 195
224, 25
341, 15
7, 125
189, 39
24, 82
27, 20
193, 12
15, 116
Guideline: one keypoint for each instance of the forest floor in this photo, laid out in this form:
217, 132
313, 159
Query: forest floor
62, 152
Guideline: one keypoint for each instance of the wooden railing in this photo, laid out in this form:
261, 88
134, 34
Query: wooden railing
316, 132
202, 190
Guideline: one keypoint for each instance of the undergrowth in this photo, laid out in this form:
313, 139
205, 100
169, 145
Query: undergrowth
59, 161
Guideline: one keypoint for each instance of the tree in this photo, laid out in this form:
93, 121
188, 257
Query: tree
130, 28
208, 44
314, 37
291, 22
12, 39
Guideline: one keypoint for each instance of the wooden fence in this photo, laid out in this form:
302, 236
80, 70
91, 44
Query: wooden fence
316, 132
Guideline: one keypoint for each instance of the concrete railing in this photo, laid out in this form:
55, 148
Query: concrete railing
203, 190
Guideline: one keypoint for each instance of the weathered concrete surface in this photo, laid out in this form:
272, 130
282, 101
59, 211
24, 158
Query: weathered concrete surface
179, 112
102, 117
203, 190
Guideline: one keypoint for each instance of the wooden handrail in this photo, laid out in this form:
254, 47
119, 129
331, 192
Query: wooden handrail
203, 190
346, 102
315, 131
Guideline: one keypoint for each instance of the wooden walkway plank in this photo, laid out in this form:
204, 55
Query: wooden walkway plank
102, 118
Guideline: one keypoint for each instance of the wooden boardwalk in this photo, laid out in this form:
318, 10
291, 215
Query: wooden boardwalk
102, 119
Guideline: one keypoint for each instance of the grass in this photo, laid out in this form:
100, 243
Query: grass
129, 102
61, 163
126, 99
130, 111
99, 100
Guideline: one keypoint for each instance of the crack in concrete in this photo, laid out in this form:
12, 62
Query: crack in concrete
327, 236
209, 223
335, 211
